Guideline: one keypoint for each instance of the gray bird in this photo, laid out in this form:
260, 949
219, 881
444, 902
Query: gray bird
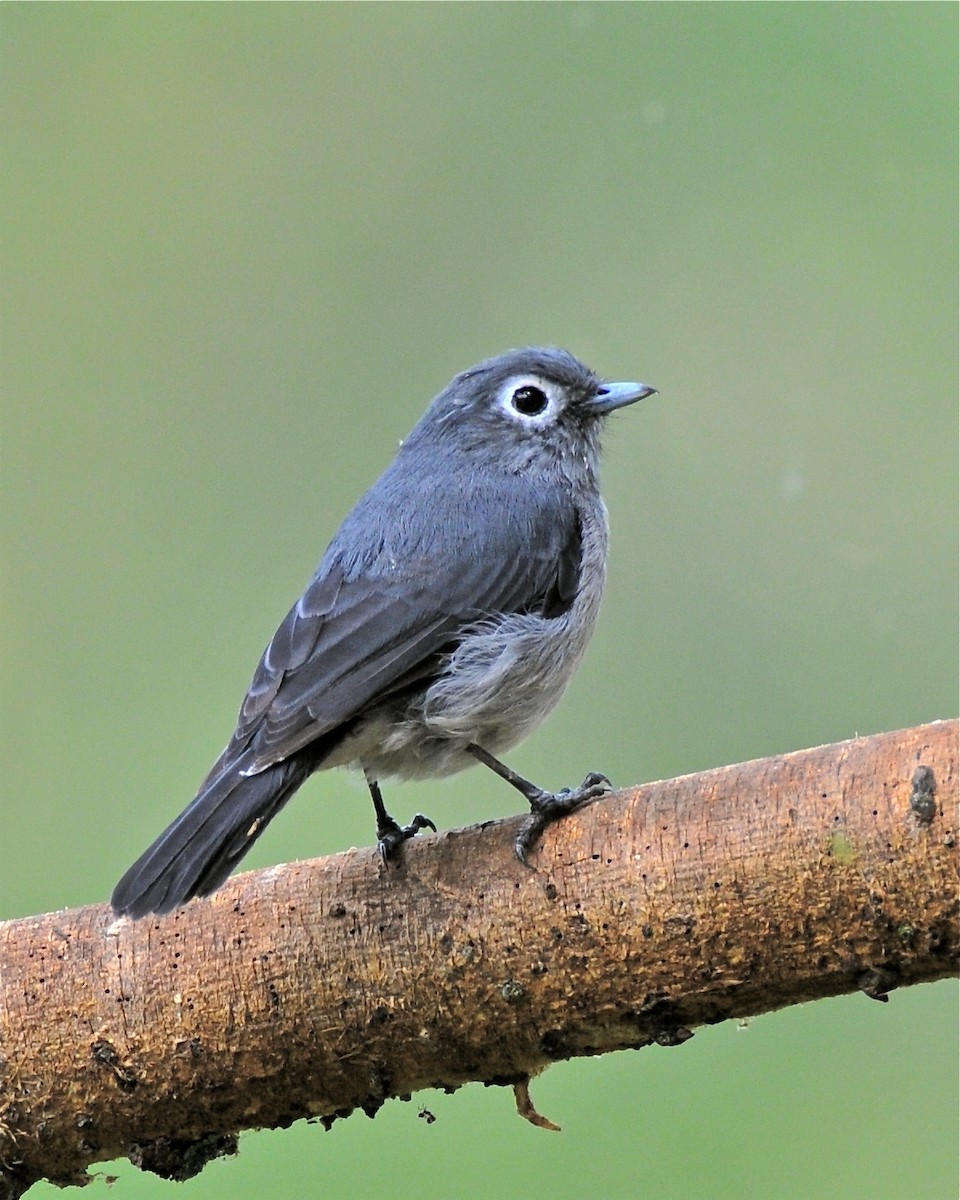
443, 624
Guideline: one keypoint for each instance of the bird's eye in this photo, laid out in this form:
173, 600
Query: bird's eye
529, 400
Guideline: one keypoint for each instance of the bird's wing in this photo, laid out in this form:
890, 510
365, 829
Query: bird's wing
351, 639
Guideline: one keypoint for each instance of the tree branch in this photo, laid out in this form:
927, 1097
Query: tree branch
319, 987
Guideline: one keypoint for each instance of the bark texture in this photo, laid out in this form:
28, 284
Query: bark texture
319, 987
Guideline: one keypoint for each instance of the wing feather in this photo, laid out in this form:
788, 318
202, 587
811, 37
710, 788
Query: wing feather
358, 634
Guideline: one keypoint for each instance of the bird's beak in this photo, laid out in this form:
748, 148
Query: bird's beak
618, 395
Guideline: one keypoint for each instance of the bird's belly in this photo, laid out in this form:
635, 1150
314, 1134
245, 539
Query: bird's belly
504, 678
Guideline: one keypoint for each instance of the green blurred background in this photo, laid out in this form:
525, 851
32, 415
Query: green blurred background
242, 246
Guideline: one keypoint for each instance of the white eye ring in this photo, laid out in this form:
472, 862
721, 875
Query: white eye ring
529, 399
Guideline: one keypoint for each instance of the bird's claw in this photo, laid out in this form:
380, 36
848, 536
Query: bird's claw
391, 836
547, 807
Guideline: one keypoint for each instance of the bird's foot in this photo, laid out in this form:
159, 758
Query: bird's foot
547, 807
391, 836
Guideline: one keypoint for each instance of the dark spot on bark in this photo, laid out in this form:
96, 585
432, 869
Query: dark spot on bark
876, 983
105, 1054
923, 802
554, 1044
178, 1160
673, 1037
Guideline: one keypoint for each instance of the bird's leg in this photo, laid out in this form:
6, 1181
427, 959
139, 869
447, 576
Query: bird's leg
545, 807
390, 835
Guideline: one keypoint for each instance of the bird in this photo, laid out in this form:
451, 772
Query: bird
446, 618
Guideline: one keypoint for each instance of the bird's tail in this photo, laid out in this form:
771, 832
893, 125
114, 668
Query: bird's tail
197, 852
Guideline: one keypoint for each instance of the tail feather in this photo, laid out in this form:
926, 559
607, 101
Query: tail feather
197, 852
